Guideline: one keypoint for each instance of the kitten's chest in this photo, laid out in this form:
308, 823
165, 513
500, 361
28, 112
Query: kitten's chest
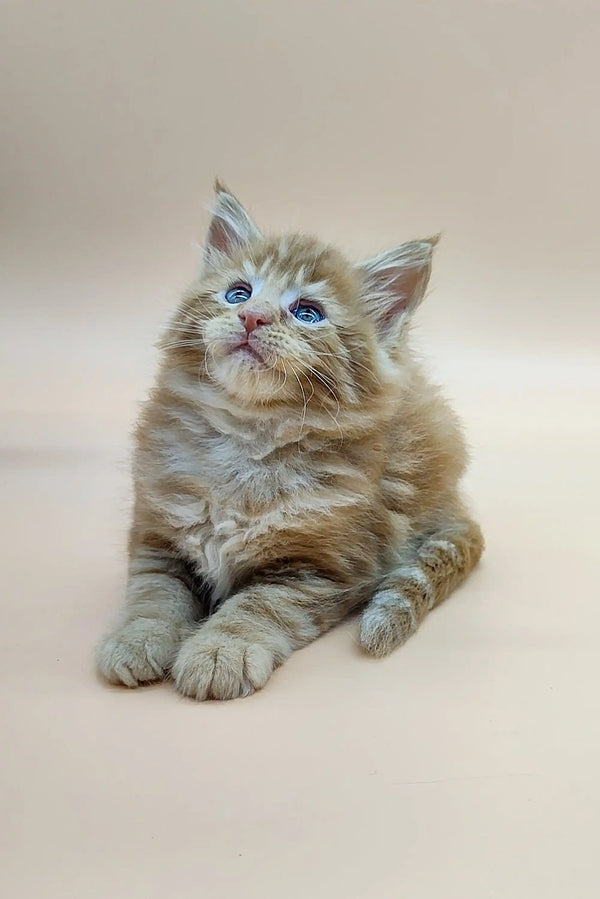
226, 517
214, 537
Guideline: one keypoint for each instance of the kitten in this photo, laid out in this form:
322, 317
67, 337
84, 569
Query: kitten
291, 465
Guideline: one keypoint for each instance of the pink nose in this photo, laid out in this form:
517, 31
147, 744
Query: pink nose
253, 319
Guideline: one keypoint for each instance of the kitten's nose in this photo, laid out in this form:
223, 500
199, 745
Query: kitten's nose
254, 318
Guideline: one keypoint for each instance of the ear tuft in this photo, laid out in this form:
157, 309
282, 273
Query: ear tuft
230, 227
219, 187
394, 284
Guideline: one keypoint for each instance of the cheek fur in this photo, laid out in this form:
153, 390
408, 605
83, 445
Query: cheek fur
221, 329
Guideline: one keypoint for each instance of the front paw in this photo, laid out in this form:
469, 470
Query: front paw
140, 652
213, 665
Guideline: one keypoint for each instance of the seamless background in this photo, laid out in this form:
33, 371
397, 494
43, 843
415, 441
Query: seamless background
466, 764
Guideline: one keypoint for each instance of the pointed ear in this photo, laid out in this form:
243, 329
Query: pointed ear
230, 227
394, 284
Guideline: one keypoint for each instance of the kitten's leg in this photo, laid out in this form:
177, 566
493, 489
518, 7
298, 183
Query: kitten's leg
441, 561
235, 652
158, 614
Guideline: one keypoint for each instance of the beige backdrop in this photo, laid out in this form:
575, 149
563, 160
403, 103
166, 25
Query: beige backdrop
466, 765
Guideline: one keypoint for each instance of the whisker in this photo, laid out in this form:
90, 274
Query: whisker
181, 343
329, 384
210, 350
280, 384
304, 397
329, 389
350, 362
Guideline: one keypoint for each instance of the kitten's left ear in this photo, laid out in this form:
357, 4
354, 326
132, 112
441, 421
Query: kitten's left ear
230, 227
394, 284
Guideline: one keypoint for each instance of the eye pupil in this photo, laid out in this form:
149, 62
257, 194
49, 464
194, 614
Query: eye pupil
307, 314
239, 293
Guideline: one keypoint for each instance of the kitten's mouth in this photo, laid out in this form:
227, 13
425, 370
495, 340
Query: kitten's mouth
244, 348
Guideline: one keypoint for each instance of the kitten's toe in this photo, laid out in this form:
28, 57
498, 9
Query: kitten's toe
213, 666
138, 653
385, 625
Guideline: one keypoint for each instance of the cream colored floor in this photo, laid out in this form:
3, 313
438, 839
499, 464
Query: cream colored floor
465, 765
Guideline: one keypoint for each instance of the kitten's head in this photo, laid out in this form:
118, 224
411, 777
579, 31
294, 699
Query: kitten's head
288, 320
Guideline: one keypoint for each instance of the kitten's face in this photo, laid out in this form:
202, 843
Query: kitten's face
283, 322
289, 321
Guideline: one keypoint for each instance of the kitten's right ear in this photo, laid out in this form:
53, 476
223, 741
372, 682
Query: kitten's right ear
230, 227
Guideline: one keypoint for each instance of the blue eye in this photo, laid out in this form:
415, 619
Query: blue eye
239, 293
307, 314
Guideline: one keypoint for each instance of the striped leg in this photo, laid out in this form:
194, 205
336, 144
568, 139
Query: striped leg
441, 562
253, 632
158, 614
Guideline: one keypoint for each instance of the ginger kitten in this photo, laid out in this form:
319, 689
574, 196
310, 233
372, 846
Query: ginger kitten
292, 464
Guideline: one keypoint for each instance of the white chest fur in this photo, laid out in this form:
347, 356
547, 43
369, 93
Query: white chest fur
227, 500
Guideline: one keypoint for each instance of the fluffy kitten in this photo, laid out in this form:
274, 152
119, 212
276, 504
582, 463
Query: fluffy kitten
292, 464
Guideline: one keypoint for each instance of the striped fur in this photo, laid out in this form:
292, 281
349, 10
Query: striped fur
279, 489
409, 592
